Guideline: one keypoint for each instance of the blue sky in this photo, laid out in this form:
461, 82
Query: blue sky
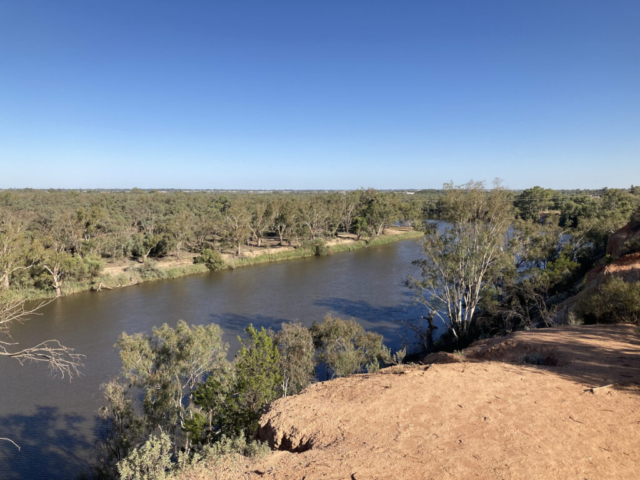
319, 94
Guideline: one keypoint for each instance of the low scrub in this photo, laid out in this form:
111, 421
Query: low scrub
615, 301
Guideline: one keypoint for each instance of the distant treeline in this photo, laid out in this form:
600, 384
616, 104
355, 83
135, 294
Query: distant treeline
48, 237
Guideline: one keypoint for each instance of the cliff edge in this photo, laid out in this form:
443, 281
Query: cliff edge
487, 415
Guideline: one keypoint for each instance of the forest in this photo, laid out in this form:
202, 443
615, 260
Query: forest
54, 242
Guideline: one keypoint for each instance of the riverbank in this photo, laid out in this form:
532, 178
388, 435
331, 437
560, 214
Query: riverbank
128, 273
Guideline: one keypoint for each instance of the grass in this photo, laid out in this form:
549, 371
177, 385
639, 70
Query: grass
153, 271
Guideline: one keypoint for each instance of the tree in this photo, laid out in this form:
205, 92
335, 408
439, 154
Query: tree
237, 225
258, 376
216, 411
297, 362
359, 226
212, 259
168, 365
350, 202
284, 218
261, 217
122, 429
179, 227
466, 256
313, 216
346, 348
532, 202
13, 248
379, 211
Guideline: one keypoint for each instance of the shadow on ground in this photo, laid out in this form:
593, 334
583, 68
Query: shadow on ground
594, 355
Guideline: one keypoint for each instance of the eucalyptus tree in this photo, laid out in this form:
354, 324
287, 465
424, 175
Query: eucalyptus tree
359, 226
465, 257
349, 205
532, 202
168, 365
334, 214
237, 224
346, 348
261, 219
180, 227
313, 215
284, 218
14, 247
297, 358
380, 211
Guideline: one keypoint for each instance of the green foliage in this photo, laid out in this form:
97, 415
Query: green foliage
465, 258
218, 410
57, 242
123, 428
297, 357
151, 461
212, 259
359, 226
532, 202
169, 364
149, 270
346, 348
318, 246
615, 301
258, 376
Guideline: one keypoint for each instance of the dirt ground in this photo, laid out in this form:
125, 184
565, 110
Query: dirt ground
488, 417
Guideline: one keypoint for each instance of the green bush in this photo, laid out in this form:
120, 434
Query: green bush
297, 357
151, 461
212, 259
318, 246
615, 301
149, 271
346, 348
258, 376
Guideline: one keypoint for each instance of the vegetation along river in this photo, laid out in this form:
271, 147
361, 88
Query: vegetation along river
55, 421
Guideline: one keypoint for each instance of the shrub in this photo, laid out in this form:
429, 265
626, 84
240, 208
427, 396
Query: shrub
151, 461
318, 246
149, 271
258, 377
297, 357
212, 259
346, 348
615, 301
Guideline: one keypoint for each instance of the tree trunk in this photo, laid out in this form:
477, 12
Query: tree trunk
57, 286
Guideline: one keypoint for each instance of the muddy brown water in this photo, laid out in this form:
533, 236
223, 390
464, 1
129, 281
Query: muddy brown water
55, 421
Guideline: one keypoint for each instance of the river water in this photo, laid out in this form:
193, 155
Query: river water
54, 421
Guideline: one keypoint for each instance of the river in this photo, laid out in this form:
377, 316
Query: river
55, 421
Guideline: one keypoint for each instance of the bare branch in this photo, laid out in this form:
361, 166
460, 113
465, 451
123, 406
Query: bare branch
60, 359
2, 439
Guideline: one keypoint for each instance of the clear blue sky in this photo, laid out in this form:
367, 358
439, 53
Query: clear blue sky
319, 94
